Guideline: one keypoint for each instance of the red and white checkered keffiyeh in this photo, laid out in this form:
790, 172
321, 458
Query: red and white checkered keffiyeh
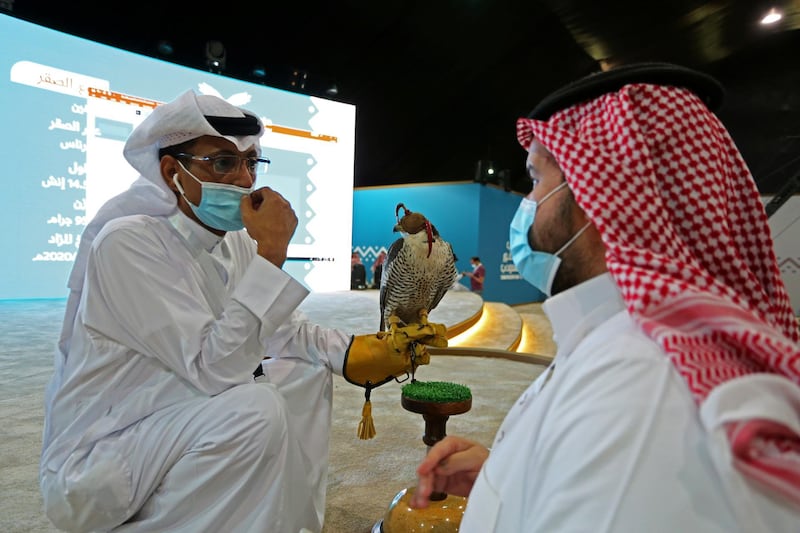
689, 246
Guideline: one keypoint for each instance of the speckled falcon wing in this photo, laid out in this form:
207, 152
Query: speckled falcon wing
449, 274
395, 249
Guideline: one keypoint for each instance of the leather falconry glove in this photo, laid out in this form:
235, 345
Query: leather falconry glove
372, 360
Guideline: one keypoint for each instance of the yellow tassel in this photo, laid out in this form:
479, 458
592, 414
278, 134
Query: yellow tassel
366, 428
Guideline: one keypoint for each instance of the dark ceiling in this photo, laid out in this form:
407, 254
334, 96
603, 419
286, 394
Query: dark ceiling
438, 85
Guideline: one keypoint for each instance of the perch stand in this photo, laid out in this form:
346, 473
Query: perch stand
436, 402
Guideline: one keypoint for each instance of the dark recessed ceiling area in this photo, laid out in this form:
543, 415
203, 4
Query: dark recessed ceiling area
438, 85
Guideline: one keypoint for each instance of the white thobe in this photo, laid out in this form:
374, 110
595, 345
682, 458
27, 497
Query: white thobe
155, 420
609, 439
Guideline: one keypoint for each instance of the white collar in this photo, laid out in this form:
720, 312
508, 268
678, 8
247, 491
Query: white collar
196, 235
577, 311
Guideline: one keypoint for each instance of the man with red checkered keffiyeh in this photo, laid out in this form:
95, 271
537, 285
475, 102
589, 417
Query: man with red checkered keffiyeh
673, 402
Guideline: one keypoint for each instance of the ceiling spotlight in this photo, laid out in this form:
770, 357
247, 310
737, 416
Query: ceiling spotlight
772, 16
215, 56
333, 90
484, 171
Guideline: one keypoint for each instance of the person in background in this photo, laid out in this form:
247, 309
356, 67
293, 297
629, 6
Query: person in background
358, 272
477, 276
153, 418
673, 401
377, 270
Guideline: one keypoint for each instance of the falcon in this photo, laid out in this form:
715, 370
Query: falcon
419, 269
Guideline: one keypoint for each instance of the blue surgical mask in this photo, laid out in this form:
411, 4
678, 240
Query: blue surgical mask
220, 203
537, 268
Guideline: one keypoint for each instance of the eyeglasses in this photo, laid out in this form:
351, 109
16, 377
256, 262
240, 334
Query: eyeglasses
228, 163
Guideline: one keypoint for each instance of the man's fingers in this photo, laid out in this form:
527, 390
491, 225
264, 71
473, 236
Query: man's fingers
246, 206
457, 462
256, 198
439, 452
421, 496
447, 457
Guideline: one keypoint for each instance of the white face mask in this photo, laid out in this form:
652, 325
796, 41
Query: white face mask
537, 268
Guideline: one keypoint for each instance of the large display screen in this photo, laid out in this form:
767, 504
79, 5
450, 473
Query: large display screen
68, 105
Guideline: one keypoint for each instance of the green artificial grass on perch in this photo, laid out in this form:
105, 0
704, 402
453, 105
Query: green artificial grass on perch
436, 401
436, 391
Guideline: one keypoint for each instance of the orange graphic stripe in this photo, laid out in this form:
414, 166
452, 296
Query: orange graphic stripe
286, 130
122, 98
144, 102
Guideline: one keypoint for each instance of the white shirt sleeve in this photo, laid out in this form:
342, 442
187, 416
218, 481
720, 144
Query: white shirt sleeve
145, 291
299, 338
